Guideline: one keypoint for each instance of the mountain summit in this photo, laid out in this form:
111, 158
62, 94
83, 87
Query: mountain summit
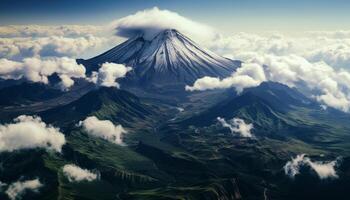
170, 58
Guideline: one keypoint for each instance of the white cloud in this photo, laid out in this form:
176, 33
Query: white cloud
237, 125
330, 47
150, 22
58, 46
329, 86
38, 70
108, 74
292, 167
249, 75
323, 169
104, 129
17, 189
304, 56
30, 132
45, 31
76, 174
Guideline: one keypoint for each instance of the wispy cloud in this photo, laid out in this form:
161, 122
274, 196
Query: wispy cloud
237, 125
323, 169
17, 189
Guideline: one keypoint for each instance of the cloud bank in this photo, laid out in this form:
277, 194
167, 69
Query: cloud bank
11, 31
34, 52
76, 174
316, 60
327, 85
30, 132
330, 47
103, 129
53, 46
249, 75
237, 125
38, 70
17, 189
150, 22
108, 74
323, 169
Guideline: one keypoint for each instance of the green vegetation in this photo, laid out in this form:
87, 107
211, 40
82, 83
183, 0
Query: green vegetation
188, 155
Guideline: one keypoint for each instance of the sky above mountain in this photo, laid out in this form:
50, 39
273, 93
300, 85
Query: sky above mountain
228, 15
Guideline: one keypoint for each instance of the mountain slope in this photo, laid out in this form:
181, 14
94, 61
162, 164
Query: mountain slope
106, 103
26, 93
264, 105
169, 58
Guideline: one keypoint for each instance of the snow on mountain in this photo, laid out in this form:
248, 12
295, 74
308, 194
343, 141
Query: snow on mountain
170, 58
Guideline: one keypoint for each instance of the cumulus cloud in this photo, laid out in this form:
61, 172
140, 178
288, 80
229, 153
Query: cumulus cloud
53, 46
30, 132
249, 75
323, 169
17, 189
150, 22
38, 70
328, 85
108, 74
76, 174
103, 129
237, 125
317, 60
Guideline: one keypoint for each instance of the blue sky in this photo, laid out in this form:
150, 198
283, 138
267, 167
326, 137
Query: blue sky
225, 14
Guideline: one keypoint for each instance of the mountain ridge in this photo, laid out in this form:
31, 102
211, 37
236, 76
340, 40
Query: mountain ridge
169, 58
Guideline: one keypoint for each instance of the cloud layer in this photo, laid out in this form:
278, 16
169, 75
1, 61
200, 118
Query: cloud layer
17, 189
76, 174
326, 84
103, 129
53, 46
323, 169
237, 125
330, 47
318, 61
38, 70
33, 31
30, 132
150, 22
34, 52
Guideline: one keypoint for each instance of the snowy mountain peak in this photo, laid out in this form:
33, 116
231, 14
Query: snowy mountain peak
170, 58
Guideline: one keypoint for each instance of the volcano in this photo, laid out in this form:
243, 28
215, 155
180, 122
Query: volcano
170, 58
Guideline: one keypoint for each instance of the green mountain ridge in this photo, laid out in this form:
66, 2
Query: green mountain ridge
172, 154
